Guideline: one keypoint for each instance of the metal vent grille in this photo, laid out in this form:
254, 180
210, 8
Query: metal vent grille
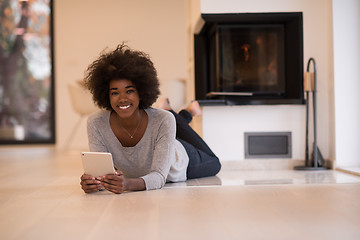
268, 145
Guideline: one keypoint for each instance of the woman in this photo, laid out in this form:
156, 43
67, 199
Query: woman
149, 146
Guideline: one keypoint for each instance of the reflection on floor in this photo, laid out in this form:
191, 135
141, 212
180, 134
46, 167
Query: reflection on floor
228, 177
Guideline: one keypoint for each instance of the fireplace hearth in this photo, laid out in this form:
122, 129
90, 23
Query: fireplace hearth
249, 58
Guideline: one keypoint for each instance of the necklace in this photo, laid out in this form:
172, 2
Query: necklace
132, 135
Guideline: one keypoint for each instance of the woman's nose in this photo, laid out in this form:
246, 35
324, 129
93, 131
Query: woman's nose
122, 96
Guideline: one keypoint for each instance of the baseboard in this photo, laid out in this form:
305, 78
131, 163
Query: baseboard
355, 171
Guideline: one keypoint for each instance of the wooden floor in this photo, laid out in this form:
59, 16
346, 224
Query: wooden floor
40, 198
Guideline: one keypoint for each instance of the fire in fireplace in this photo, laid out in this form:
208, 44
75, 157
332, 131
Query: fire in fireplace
250, 58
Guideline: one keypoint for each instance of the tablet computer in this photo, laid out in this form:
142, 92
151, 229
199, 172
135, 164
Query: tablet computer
97, 163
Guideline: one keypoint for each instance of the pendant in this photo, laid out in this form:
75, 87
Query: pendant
131, 136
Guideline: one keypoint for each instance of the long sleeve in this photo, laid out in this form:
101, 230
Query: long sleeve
95, 138
163, 155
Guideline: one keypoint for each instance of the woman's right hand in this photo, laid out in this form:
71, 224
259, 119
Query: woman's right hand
90, 184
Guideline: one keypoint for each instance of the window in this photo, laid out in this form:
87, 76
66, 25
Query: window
27, 112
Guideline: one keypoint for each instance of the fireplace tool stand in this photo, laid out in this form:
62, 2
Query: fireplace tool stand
317, 162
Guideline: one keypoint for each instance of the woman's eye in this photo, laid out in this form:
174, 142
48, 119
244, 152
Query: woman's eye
130, 91
114, 93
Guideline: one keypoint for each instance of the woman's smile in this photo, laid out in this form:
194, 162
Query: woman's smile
124, 107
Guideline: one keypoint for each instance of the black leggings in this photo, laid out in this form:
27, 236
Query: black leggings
202, 161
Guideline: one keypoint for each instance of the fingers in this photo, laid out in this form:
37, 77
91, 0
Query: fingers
113, 183
85, 177
89, 183
113, 188
91, 188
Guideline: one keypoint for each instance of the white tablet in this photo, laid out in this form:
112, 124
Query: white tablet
97, 163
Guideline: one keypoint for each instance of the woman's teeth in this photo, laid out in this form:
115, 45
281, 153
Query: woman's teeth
124, 107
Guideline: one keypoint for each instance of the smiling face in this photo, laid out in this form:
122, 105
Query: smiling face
124, 97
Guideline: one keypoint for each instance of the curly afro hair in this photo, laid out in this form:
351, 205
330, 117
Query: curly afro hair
122, 63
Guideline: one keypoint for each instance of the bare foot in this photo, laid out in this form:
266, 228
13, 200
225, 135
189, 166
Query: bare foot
194, 108
164, 104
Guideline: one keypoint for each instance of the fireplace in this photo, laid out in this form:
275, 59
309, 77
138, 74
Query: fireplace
249, 58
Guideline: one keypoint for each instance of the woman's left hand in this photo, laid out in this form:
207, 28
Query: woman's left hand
115, 183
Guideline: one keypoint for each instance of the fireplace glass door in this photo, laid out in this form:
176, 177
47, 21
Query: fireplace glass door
250, 59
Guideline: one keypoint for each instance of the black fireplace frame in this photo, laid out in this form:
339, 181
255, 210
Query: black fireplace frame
205, 59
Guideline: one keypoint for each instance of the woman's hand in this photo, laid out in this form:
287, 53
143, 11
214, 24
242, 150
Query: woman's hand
115, 183
90, 184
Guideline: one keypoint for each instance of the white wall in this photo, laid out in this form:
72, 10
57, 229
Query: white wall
83, 28
223, 127
346, 18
